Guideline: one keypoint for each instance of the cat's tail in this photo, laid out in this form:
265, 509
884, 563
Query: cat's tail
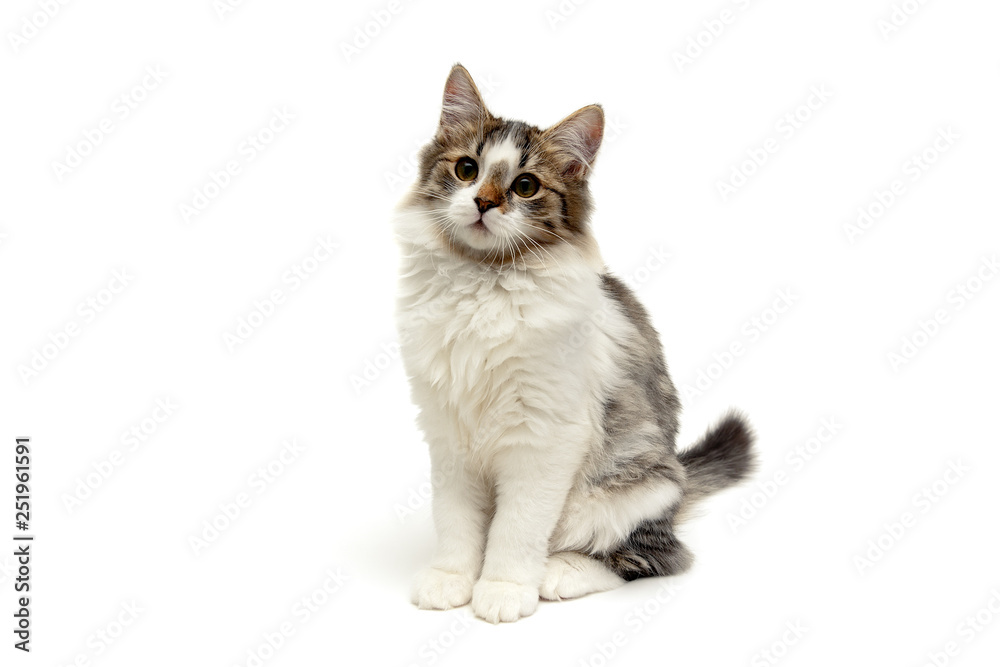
723, 457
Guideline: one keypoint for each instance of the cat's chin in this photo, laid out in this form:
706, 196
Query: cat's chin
479, 236
482, 247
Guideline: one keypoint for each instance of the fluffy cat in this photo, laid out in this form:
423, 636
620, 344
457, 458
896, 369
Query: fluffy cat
541, 384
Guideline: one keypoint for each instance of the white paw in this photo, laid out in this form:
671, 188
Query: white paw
437, 589
571, 575
496, 601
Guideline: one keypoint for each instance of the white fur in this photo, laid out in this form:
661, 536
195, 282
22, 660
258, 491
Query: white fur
505, 154
571, 575
503, 228
594, 521
511, 370
438, 589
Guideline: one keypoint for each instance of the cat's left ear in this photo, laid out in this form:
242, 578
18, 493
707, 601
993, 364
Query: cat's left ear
578, 138
462, 105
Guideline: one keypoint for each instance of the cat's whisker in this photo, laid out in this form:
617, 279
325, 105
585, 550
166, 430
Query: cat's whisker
416, 214
514, 255
542, 229
493, 250
523, 235
426, 216
428, 193
541, 248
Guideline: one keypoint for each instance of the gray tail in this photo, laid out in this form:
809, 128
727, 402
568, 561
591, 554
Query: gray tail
723, 457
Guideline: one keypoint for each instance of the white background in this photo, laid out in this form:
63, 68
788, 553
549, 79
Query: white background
343, 505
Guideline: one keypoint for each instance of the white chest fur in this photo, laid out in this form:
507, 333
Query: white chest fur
501, 357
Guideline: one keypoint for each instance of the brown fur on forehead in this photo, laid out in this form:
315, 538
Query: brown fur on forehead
475, 139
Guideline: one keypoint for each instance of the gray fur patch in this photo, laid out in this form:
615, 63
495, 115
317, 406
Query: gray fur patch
639, 449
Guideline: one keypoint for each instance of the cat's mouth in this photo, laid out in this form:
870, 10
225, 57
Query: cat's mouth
479, 234
480, 226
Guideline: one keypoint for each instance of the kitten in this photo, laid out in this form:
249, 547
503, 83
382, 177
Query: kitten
543, 393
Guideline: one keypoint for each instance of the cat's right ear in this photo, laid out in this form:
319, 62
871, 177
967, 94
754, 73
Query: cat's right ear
463, 105
578, 138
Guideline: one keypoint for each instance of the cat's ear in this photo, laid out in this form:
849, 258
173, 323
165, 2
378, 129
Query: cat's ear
463, 105
577, 139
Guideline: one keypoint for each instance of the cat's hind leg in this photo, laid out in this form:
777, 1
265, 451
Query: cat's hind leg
651, 550
570, 574
622, 528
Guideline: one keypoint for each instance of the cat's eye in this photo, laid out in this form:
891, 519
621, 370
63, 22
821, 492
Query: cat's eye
466, 169
525, 185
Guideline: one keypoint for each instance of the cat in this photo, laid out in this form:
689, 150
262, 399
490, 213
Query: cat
542, 390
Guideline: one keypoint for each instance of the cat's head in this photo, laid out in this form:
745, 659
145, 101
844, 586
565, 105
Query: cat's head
497, 191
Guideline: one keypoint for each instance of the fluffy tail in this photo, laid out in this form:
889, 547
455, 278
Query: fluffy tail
723, 457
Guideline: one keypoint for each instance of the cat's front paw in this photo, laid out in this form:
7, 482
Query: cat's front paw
438, 589
496, 601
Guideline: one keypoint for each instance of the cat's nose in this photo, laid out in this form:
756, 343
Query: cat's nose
484, 204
